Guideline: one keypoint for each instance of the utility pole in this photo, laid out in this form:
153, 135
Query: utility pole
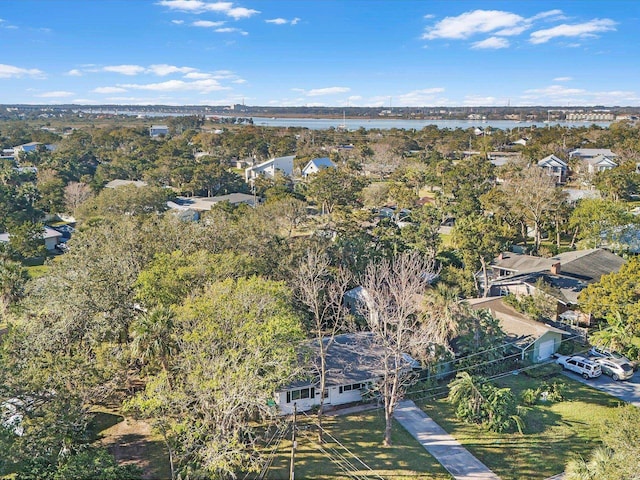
292, 474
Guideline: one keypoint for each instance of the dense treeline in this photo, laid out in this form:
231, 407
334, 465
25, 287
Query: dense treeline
192, 326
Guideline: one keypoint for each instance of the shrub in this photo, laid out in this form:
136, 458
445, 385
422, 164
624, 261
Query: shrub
544, 371
529, 396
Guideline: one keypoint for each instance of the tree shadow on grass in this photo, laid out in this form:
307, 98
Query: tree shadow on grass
102, 421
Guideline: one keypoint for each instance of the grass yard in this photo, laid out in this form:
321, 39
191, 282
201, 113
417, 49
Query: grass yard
554, 433
362, 435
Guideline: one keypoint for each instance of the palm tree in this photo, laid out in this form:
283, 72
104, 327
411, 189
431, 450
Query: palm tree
465, 389
615, 335
593, 469
153, 336
443, 313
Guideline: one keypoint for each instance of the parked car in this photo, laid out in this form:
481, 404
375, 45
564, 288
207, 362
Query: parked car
580, 365
599, 352
62, 247
615, 368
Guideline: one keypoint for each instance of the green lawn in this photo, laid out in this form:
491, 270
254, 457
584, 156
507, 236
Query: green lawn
555, 432
362, 435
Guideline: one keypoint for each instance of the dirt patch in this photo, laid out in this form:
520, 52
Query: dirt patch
132, 442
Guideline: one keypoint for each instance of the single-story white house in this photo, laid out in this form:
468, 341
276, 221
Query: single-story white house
536, 341
50, 236
317, 164
353, 366
270, 167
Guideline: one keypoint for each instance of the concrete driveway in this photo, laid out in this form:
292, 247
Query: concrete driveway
627, 390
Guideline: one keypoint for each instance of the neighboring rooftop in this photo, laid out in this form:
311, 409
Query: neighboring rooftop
121, 183
518, 327
202, 204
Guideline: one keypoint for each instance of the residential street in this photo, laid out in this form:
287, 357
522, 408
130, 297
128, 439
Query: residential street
628, 390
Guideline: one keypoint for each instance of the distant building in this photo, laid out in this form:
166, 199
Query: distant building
158, 131
554, 167
595, 160
317, 164
270, 167
26, 148
50, 236
122, 183
204, 204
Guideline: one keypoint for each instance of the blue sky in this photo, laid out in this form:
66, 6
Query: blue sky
320, 52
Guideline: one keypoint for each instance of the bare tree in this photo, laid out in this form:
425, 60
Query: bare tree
394, 291
534, 193
322, 291
75, 194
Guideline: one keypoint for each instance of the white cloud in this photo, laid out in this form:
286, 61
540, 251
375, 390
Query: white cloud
562, 79
11, 71
418, 97
491, 43
241, 12
549, 13
554, 91
479, 101
240, 81
108, 90
125, 69
56, 94
198, 6
561, 95
198, 75
161, 69
470, 23
207, 24
316, 92
177, 22
164, 69
195, 6
283, 21
580, 30
74, 73
231, 30
200, 86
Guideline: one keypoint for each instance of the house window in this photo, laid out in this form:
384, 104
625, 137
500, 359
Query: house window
353, 386
294, 395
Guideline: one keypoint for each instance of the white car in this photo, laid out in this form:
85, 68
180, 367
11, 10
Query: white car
580, 365
606, 353
616, 369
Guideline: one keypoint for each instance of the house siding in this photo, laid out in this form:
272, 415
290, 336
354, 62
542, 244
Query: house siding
337, 395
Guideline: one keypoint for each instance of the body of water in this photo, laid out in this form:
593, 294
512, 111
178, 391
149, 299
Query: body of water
387, 124
352, 124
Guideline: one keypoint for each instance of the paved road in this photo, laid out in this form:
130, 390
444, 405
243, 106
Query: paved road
447, 450
627, 390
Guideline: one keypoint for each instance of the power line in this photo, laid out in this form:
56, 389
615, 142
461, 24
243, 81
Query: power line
343, 446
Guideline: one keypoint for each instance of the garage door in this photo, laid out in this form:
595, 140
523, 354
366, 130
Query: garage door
546, 349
